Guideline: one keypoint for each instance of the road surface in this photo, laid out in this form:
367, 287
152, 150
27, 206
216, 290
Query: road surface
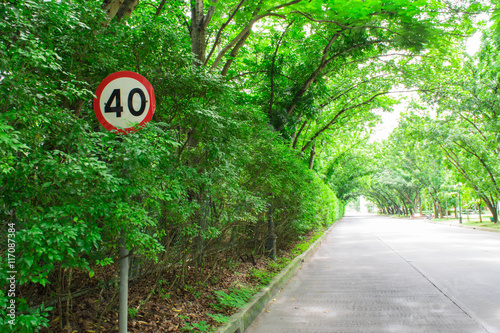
378, 274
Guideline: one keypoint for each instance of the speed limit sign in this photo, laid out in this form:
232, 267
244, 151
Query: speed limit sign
124, 101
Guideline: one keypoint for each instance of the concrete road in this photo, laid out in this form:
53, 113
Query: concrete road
375, 274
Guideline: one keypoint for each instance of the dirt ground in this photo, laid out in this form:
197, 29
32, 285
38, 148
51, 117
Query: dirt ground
158, 302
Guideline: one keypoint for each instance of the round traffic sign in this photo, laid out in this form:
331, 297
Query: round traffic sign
125, 101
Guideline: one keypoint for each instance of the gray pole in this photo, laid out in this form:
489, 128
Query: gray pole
459, 205
123, 315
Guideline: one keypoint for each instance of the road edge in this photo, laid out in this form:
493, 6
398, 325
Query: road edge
447, 223
244, 317
465, 226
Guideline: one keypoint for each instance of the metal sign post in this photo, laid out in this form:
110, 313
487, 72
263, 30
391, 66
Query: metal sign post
124, 103
123, 314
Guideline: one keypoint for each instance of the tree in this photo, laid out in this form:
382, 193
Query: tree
196, 181
466, 130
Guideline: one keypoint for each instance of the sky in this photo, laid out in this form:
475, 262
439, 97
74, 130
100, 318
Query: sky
473, 43
390, 121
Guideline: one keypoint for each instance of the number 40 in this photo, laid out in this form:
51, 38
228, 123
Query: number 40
118, 108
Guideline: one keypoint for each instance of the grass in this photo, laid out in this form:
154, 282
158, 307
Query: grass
473, 221
485, 224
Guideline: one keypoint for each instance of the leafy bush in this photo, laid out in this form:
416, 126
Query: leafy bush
197, 180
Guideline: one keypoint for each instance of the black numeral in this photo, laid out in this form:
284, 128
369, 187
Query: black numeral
118, 108
131, 105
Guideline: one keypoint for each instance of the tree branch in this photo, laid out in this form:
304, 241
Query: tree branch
284, 5
346, 27
234, 53
334, 98
358, 46
334, 120
223, 26
296, 138
474, 125
278, 44
160, 7
313, 75
248, 27
210, 13
483, 163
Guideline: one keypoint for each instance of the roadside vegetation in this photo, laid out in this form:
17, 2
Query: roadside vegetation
264, 111
483, 224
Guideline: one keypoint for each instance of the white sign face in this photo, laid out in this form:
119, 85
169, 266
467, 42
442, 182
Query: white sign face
124, 102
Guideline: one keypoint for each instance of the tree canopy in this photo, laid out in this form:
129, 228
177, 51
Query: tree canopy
449, 136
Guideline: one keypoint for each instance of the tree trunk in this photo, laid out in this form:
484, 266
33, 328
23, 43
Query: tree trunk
438, 209
479, 208
419, 204
311, 156
491, 207
118, 8
234, 53
198, 32
110, 7
126, 9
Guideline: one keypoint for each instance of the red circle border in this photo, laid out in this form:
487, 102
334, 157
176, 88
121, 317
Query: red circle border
112, 77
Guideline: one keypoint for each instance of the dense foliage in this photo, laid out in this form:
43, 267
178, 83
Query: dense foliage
69, 187
263, 110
